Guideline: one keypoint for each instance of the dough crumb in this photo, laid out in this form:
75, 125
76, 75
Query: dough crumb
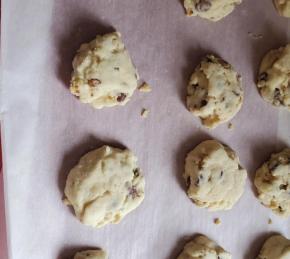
144, 113
255, 36
145, 88
217, 221
230, 126
270, 221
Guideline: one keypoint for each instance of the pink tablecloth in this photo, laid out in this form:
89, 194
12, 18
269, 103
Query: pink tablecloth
3, 243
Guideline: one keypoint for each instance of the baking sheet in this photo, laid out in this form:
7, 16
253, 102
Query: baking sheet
45, 129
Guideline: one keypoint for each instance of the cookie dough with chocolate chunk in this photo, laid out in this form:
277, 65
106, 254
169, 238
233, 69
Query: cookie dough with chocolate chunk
214, 92
91, 254
274, 77
105, 186
214, 176
103, 73
273, 183
275, 247
213, 10
202, 247
283, 7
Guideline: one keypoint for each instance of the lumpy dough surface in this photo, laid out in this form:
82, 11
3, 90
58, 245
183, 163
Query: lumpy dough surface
213, 10
91, 254
104, 186
273, 183
202, 247
214, 176
273, 81
214, 92
103, 73
275, 247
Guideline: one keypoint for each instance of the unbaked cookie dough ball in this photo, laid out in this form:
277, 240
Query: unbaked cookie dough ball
202, 247
103, 73
214, 176
274, 77
283, 7
273, 183
91, 254
214, 92
105, 186
275, 247
213, 10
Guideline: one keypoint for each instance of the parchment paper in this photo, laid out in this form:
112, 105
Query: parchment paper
46, 130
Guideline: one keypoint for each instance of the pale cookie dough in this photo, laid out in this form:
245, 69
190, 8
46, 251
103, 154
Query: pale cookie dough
275, 247
104, 186
213, 10
91, 254
273, 183
202, 247
214, 92
214, 176
283, 7
274, 77
103, 73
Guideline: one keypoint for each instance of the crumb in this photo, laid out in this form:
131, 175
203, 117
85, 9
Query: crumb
66, 202
144, 113
255, 36
217, 221
269, 221
145, 88
230, 126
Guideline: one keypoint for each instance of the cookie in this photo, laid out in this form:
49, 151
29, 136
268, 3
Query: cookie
275, 247
274, 77
213, 10
214, 92
283, 7
214, 176
272, 181
103, 73
91, 254
105, 186
203, 248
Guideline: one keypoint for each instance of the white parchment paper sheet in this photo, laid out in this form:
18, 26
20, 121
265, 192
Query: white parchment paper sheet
46, 130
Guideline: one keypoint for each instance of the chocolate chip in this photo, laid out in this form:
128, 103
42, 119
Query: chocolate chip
283, 187
94, 81
203, 103
136, 172
116, 68
235, 93
222, 173
263, 76
121, 97
188, 181
194, 86
240, 168
197, 182
224, 63
280, 209
208, 59
203, 5
277, 95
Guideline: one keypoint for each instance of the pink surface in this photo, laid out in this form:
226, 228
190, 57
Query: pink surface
47, 129
3, 240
